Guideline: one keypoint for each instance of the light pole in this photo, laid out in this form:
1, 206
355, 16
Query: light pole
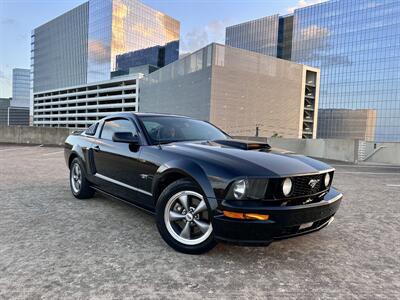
258, 125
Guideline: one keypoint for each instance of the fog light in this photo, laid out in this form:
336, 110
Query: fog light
245, 216
327, 179
287, 186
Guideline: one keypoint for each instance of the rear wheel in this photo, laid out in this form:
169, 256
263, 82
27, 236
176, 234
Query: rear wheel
80, 187
183, 218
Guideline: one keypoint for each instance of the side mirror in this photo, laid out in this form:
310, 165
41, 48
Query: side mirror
125, 137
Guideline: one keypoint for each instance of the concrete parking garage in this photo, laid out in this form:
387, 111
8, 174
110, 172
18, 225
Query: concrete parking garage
55, 246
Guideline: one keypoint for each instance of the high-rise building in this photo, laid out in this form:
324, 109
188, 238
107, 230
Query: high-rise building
20, 87
5, 102
60, 50
13, 115
82, 45
356, 45
242, 92
259, 35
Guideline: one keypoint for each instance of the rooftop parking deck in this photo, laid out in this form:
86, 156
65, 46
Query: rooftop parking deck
55, 246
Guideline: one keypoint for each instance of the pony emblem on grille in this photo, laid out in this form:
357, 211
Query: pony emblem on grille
313, 182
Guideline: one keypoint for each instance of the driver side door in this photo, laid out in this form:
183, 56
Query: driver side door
117, 164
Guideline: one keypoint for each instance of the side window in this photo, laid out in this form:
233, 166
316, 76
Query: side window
117, 125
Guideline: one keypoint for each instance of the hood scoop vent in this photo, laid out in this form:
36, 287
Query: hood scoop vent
242, 144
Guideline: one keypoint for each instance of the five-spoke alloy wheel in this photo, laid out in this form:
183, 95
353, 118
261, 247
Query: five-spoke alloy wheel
76, 178
186, 218
183, 218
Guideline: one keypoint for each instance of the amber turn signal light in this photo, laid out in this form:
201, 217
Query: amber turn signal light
245, 216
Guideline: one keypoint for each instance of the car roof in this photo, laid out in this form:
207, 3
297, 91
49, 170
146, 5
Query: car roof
159, 115
126, 114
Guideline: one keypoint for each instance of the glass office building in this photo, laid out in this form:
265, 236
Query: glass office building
20, 87
117, 27
59, 51
259, 35
356, 45
157, 56
82, 45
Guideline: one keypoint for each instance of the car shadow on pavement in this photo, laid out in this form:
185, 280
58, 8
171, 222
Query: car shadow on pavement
146, 233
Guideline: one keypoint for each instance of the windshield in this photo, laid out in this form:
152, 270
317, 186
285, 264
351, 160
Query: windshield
166, 129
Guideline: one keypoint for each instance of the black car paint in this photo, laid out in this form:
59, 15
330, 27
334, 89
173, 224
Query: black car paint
145, 168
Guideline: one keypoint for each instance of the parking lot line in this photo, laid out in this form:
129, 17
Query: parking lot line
370, 173
51, 153
367, 166
13, 149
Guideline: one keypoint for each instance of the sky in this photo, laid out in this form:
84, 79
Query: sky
202, 22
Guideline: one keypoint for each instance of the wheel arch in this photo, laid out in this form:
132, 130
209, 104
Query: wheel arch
76, 152
179, 169
71, 157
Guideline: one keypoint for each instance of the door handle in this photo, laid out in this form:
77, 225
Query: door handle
96, 148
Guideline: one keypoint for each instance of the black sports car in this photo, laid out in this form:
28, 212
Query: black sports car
202, 185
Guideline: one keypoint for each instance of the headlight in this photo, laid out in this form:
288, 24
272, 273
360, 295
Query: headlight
287, 186
239, 188
327, 179
248, 189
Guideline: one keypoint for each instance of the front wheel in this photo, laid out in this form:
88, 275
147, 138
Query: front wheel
183, 218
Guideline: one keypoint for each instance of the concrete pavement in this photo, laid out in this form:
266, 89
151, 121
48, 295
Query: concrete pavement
55, 246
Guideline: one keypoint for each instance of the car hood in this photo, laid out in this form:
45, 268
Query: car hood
264, 161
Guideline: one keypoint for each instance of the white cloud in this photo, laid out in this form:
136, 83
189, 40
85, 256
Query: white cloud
304, 3
197, 38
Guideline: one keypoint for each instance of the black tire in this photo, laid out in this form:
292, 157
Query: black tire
164, 203
84, 191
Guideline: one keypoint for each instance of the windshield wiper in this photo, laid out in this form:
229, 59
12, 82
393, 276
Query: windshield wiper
168, 142
174, 141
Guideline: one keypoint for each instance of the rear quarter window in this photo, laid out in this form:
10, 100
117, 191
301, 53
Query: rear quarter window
92, 129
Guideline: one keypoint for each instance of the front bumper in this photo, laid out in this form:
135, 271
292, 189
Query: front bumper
283, 222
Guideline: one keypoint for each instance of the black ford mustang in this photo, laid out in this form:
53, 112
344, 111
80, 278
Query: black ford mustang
202, 185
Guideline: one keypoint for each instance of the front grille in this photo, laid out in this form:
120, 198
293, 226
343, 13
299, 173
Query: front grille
302, 187
303, 191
